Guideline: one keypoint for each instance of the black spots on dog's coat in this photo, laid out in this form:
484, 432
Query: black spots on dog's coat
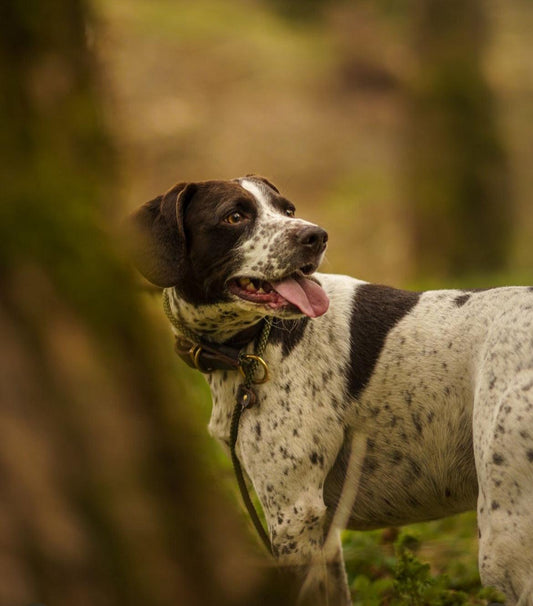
462, 299
414, 468
376, 310
370, 464
417, 422
288, 332
316, 458
396, 457
497, 459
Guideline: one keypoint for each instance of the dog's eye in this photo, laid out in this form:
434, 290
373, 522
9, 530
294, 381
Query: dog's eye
289, 212
234, 218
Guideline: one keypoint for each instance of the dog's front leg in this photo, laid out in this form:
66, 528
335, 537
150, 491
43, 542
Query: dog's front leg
325, 578
297, 519
288, 456
297, 532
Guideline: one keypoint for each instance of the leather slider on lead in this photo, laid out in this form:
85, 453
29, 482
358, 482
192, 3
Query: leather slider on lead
246, 396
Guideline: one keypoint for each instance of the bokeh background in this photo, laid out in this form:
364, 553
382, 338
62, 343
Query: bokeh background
404, 128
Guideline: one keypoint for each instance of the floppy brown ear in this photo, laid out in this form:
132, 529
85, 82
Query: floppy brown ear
265, 181
158, 235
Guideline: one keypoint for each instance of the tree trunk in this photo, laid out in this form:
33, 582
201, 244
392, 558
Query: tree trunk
104, 494
458, 182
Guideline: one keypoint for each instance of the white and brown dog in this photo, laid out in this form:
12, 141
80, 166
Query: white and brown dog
433, 391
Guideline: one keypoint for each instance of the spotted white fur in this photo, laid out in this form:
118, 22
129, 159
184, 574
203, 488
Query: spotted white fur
438, 386
273, 233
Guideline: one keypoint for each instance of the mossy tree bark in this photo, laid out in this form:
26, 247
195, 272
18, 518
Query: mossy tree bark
104, 494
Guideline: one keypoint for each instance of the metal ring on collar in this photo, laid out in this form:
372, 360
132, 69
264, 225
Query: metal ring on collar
251, 358
194, 353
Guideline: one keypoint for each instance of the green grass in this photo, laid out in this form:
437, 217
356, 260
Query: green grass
429, 564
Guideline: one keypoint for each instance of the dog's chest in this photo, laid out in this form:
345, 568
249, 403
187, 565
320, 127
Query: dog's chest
307, 362
292, 402
290, 438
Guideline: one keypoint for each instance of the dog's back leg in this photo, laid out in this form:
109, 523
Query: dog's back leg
503, 436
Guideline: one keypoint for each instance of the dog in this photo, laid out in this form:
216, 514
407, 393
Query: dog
432, 391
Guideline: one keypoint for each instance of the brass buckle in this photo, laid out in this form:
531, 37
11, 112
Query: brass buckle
247, 358
193, 353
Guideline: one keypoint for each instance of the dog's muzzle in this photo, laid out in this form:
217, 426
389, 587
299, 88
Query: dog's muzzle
312, 238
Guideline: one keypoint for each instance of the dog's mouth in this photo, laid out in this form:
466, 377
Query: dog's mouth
298, 290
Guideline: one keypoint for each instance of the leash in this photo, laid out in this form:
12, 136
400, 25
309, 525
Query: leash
207, 358
246, 397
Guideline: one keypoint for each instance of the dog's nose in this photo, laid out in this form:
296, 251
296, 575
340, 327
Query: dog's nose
313, 238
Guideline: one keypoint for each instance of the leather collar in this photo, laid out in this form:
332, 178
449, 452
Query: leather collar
208, 357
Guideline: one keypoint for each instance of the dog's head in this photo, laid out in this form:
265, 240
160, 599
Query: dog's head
232, 242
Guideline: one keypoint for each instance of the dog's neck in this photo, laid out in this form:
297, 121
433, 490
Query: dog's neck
217, 323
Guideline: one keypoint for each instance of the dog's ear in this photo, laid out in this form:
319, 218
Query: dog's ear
265, 181
158, 235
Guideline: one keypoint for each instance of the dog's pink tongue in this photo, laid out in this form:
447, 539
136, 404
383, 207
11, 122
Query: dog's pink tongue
307, 295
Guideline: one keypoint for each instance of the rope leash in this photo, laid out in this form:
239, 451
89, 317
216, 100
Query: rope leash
179, 326
246, 397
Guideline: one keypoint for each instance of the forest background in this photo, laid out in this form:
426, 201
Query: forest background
403, 128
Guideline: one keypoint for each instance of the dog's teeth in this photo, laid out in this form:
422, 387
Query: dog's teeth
252, 285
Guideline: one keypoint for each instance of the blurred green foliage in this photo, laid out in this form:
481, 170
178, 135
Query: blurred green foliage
396, 572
